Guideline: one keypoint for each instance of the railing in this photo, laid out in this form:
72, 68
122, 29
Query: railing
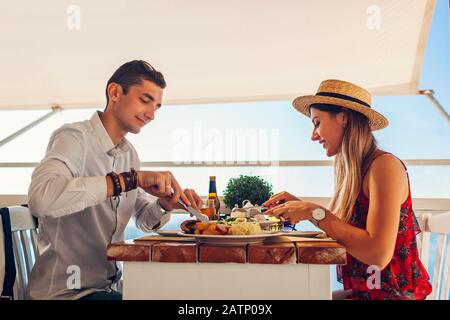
238, 163
421, 205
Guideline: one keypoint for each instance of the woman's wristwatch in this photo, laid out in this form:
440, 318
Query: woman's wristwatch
318, 215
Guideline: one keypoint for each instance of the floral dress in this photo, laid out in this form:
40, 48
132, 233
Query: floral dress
404, 278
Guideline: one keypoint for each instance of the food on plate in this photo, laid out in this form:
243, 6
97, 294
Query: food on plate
238, 214
188, 226
259, 217
265, 223
245, 228
211, 228
242, 226
271, 224
230, 226
208, 228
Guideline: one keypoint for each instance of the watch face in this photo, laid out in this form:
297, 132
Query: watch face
318, 214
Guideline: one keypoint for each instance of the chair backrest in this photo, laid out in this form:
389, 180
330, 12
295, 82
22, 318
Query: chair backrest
24, 240
438, 224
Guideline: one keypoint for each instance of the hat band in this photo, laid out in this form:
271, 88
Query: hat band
342, 96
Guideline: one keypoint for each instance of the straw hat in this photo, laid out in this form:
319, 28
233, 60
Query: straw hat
346, 95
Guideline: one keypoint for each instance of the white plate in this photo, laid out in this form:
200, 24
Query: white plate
168, 233
305, 234
232, 240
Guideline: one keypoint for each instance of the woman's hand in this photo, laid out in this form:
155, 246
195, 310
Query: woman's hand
294, 211
280, 198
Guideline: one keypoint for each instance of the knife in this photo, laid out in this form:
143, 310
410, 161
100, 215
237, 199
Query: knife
200, 216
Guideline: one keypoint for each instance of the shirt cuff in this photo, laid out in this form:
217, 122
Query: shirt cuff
159, 213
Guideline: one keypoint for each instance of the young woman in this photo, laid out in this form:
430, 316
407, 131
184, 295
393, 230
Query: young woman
371, 210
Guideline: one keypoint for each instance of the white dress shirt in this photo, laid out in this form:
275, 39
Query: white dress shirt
76, 219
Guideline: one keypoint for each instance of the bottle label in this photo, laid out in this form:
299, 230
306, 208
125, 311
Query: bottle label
213, 192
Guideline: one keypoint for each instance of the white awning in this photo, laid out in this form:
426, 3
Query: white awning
209, 51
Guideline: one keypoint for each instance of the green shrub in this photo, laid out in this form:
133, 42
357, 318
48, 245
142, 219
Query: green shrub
252, 188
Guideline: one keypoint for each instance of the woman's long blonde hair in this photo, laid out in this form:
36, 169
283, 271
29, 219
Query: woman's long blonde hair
352, 161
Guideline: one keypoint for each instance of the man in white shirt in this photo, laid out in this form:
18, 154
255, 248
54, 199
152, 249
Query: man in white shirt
89, 185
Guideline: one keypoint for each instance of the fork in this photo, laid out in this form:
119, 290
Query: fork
202, 217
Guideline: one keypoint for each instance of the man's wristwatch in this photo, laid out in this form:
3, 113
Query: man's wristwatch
318, 215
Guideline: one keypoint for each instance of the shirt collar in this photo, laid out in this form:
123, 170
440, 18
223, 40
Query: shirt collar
104, 138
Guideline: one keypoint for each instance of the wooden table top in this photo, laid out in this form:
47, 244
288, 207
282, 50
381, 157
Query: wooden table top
278, 250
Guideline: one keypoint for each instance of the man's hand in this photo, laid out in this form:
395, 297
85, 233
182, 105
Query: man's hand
162, 184
194, 201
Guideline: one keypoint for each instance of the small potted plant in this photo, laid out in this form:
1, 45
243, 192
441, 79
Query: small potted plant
252, 188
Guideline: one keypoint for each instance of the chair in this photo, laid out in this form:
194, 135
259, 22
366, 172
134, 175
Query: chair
24, 241
438, 224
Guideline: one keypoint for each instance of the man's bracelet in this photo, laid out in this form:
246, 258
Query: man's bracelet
130, 180
116, 183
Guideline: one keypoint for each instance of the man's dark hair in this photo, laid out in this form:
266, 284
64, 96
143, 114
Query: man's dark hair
134, 72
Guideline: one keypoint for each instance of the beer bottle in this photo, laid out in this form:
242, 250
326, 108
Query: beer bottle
210, 210
212, 196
